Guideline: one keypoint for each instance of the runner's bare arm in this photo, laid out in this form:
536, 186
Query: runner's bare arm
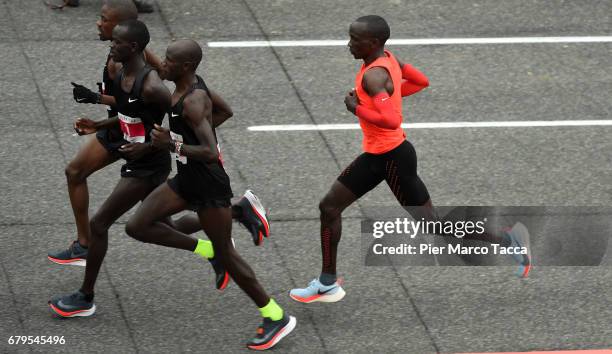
108, 100
84, 126
197, 112
155, 92
152, 59
221, 111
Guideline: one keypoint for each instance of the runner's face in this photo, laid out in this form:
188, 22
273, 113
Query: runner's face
170, 69
360, 43
106, 23
121, 49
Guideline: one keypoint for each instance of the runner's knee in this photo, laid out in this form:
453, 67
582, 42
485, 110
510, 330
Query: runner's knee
134, 228
328, 209
98, 226
75, 173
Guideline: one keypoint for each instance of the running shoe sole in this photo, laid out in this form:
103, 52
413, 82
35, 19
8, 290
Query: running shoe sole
259, 210
78, 313
74, 262
225, 282
227, 277
277, 338
337, 296
522, 230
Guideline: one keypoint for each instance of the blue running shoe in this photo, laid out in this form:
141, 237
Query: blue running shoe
72, 305
519, 237
318, 292
74, 255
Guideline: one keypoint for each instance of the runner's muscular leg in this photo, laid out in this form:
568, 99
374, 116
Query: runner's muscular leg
217, 223
338, 198
150, 224
127, 193
91, 157
190, 223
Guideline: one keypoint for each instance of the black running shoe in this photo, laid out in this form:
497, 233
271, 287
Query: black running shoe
72, 305
143, 6
254, 217
222, 277
271, 332
74, 255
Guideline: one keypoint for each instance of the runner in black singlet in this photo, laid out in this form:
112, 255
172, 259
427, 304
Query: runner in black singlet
201, 184
141, 100
98, 153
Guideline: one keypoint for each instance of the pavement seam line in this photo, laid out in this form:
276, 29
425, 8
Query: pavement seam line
294, 284
284, 69
335, 158
310, 115
227, 152
165, 21
292, 83
54, 131
13, 297
33, 76
297, 93
416, 309
121, 310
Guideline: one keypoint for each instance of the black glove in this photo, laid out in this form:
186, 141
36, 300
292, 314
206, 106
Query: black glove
82, 94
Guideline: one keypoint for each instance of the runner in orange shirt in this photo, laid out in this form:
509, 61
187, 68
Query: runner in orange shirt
377, 101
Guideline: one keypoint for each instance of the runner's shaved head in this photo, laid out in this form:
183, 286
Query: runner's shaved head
377, 27
122, 9
186, 51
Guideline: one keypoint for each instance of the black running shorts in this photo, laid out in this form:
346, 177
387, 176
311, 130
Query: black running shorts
156, 165
397, 167
219, 198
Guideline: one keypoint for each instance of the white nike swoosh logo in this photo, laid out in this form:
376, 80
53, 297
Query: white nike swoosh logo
386, 98
128, 170
81, 99
132, 100
174, 115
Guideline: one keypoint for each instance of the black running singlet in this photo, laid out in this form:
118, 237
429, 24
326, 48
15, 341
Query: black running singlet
135, 116
198, 181
136, 119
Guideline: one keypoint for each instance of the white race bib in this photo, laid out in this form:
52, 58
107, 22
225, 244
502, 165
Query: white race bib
133, 129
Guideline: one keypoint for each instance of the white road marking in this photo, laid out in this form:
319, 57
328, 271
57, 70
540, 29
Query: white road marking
415, 41
438, 125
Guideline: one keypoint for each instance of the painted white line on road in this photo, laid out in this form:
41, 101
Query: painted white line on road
416, 41
438, 125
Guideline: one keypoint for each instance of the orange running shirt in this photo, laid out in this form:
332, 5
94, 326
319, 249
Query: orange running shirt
377, 140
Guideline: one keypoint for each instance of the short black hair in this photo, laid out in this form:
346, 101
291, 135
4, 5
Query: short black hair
377, 27
136, 31
123, 9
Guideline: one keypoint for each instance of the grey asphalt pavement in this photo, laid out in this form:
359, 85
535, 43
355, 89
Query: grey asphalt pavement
156, 300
